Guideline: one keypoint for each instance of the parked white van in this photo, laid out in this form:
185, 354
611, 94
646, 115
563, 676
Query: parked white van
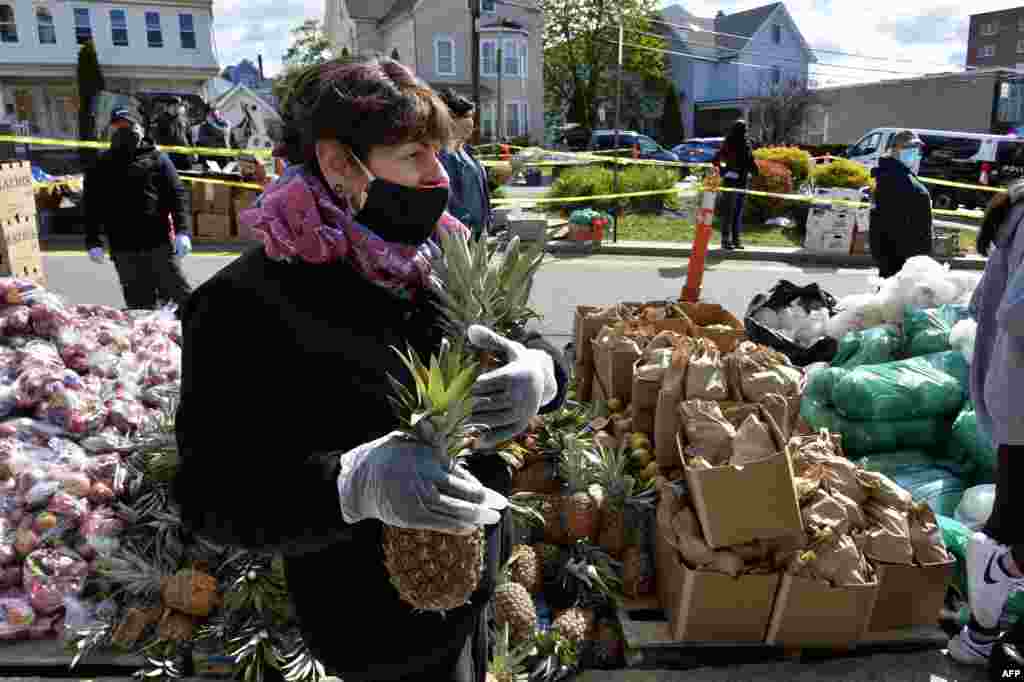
947, 155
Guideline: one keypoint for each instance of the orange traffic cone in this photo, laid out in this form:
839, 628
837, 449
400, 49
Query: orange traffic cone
636, 151
506, 153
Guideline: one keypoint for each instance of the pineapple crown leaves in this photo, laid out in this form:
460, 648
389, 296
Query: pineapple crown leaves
523, 508
509, 662
577, 464
132, 574
300, 665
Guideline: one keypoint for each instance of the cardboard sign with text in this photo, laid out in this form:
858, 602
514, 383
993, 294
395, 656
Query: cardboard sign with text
20, 254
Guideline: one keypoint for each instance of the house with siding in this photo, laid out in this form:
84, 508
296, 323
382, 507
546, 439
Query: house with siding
722, 65
434, 37
144, 47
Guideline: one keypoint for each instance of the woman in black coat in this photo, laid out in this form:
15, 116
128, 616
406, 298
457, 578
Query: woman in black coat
901, 218
739, 167
285, 431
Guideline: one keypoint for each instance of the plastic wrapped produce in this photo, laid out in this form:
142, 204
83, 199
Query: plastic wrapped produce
976, 506
51, 575
962, 337
865, 437
975, 450
854, 313
908, 389
868, 347
101, 530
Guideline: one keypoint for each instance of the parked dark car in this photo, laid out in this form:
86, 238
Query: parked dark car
698, 149
604, 140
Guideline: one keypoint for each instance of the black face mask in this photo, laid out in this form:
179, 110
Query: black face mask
400, 214
125, 141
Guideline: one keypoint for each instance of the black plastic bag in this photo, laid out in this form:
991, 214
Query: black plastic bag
780, 296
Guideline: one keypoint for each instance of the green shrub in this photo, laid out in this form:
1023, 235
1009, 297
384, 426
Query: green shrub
795, 159
842, 174
773, 176
597, 180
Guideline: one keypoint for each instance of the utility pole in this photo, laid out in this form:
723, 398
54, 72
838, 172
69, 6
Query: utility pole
474, 13
500, 116
618, 126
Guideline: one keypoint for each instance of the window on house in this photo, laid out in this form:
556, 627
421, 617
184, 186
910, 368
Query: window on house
489, 57
510, 57
487, 121
777, 34
990, 29
487, 6
187, 26
8, 26
83, 25
154, 34
119, 27
444, 56
987, 51
515, 119
44, 24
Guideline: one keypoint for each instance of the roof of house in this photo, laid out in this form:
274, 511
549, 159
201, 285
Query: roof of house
368, 9
241, 90
400, 7
742, 26
677, 15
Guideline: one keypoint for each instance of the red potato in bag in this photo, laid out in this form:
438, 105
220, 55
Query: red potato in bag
50, 576
16, 617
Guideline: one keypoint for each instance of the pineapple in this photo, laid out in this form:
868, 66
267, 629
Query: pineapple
582, 507
550, 560
526, 568
576, 624
622, 496
435, 571
513, 606
507, 665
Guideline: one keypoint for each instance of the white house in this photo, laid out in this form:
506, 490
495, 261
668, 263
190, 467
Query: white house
149, 46
249, 114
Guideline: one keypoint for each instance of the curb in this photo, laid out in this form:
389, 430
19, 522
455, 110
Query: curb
788, 256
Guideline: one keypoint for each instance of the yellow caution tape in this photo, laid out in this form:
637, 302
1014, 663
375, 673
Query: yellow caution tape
227, 183
950, 183
513, 202
80, 144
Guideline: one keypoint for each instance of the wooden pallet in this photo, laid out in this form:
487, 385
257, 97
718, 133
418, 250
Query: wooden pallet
649, 643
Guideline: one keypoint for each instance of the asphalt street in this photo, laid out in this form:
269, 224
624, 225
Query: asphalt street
561, 285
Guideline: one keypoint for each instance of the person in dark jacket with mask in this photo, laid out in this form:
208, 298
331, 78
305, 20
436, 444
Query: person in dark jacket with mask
739, 163
213, 133
901, 218
470, 200
131, 194
349, 269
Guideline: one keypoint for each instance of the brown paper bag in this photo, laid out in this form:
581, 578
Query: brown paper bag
883, 489
825, 510
705, 378
888, 534
926, 536
838, 561
707, 430
753, 442
778, 408
854, 513
764, 372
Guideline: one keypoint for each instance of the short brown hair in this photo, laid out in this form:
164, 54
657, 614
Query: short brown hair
362, 103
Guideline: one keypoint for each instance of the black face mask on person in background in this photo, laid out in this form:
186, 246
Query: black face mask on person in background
125, 141
400, 214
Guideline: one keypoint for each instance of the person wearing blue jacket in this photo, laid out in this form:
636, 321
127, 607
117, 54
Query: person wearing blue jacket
995, 555
469, 199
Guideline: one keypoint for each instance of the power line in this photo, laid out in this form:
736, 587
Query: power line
697, 29
799, 61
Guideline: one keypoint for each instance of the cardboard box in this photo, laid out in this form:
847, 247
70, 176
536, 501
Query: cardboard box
910, 596
214, 227
836, 242
704, 606
614, 367
20, 254
209, 197
736, 505
808, 613
703, 315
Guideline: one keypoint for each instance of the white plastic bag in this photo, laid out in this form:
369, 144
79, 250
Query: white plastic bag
976, 506
962, 338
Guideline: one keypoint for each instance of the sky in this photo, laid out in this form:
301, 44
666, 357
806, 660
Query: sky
922, 36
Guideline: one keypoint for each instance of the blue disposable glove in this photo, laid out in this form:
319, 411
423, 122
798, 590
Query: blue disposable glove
182, 245
507, 398
404, 484
97, 256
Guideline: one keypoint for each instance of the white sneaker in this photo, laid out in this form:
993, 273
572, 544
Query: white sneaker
964, 649
988, 585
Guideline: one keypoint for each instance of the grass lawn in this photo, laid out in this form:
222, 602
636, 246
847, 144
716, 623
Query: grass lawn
655, 228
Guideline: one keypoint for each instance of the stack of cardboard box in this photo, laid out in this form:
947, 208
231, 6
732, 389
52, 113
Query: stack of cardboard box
20, 255
216, 207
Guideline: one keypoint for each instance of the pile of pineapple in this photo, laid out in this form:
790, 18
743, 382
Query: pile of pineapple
594, 489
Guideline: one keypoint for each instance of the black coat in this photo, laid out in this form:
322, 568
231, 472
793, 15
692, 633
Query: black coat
130, 199
284, 368
901, 219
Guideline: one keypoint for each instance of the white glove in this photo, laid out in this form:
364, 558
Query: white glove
403, 484
507, 398
182, 245
97, 255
